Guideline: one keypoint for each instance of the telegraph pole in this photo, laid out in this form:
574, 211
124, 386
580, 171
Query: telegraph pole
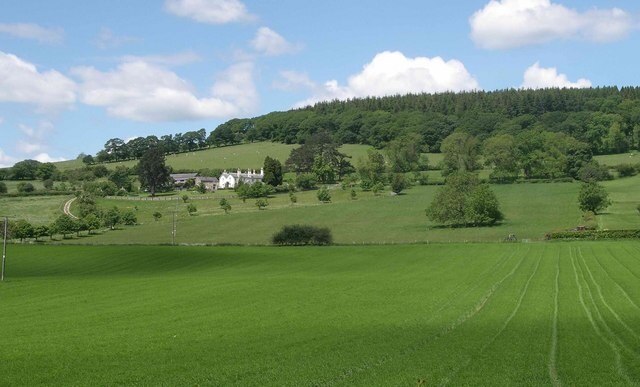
173, 231
4, 247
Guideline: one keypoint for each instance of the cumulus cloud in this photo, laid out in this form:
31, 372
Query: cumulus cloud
179, 59
46, 158
391, 73
143, 91
33, 32
504, 24
21, 82
35, 138
6, 160
209, 11
269, 42
536, 77
107, 39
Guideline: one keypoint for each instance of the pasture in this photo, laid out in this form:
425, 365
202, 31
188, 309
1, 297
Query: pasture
445, 314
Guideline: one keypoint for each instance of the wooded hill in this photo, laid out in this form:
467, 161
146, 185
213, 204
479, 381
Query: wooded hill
607, 118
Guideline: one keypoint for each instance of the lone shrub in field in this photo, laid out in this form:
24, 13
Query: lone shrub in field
324, 195
298, 235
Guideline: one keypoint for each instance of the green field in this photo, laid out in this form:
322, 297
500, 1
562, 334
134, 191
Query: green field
456, 314
369, 219
239, 156
622, 158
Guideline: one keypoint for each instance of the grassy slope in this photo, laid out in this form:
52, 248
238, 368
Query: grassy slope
623, 213
238, 156
369, 219
622, 158
463, 314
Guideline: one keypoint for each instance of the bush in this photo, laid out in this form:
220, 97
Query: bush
594, 235
398, 183
298, 235
25, 187
324, 195
306, 181
129, 218
626, 170
3, 188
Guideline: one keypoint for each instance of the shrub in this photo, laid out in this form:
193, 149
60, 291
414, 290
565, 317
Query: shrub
298, 235
3, 188
129, 218
306, 181
626, 170
324, 195
157, 215
191, 208
25, 187
262, 204
398, 183
594, 235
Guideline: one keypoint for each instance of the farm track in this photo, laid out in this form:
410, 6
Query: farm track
479, 305
504, 325
553, 351
596, 325
67, 208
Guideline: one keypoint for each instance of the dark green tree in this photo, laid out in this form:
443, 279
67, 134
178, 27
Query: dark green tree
461, 153
593, 197
272, 172
152, 171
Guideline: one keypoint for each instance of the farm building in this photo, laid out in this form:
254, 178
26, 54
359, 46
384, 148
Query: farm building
210, 183
230, 180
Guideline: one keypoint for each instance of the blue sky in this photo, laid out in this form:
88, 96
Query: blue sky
75, 74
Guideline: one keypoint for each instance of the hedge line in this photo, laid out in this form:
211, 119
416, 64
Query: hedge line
593, 235
38, 193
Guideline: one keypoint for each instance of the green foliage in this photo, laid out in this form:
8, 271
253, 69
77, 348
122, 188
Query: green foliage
371, 169
399, 183
593, 197
298, 235
185, 198
262, 204
225, 205
120, 177
3, 188
92, 221
157, 215
463, 201
192, 209
324, 195
63, 225
113, 217
293, 198
129, 218
594, 235
272, 172
626, 170
306, 181
377, 188
353, 194
593, 171
152, 172
255, 190
21, 229
461, 153
500, 152
25, 187
404, 153
100, 188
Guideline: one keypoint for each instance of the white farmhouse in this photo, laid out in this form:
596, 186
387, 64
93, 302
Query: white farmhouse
231, 180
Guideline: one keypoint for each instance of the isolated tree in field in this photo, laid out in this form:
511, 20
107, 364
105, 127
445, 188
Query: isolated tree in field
153, 173
272, 172
593, 197
293, 198
463, 201
262, 204
225, 205
461, 153
324, 195
192, 209
185, 198
353, 194
129, 218
157, 215
371, 169
399, 183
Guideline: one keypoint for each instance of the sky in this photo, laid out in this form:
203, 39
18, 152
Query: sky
74, 74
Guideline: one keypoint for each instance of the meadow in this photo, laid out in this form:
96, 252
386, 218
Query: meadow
368, 219
446, 314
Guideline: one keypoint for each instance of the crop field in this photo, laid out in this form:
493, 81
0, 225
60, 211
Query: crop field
446, 314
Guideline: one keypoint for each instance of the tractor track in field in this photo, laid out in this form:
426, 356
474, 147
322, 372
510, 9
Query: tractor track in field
626, 295
616, 351
67, 208
553, 351
604, 301
504, 326
478, 306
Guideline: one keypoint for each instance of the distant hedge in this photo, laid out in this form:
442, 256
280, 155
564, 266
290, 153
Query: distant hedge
38, 193
299, 235
593, 235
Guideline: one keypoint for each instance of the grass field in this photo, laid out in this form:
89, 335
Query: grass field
622, 158
369, 219
450, 314
239, 156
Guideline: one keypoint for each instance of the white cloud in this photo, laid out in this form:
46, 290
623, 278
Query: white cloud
143, 91
391, 73
36, 139
536, 77
107, 39
294, 80
33, 32
45, 158
6, 160
179, 59
21, 82
269, 42
504, 24
209, 11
